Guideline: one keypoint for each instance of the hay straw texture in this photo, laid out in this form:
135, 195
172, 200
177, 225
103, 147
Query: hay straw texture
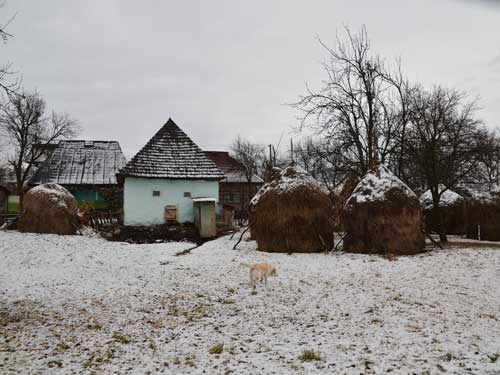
383, 216
293, 213
340, 199
452, 207
483, 216
49, 208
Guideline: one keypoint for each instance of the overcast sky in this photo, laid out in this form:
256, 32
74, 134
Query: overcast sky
223, 68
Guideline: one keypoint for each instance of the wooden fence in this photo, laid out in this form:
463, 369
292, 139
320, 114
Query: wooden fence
7, 218
99, 218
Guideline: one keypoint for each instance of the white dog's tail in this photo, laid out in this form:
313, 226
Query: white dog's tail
245, 265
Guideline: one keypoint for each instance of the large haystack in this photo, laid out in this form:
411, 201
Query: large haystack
293, 213
383, 216
483, 215
49, 208
452, 207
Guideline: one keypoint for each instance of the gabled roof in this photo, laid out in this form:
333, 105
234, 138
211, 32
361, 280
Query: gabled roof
81, 163
171, 154
233, 171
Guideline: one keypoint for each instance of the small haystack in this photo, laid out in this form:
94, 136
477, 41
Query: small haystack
49, 208
383, 216
452, 207
483, 215
293, 213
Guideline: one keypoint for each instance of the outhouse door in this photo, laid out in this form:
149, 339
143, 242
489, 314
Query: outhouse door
205, 222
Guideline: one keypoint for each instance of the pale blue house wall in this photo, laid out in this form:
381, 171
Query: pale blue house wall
142, 208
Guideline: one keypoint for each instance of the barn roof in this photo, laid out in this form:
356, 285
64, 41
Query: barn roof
81, 163
171, 154
233, 171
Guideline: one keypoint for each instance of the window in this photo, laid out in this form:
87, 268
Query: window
156, 193
187, 194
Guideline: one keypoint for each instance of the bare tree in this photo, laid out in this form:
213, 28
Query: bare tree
488, 171
249, 155
444, 141
324, 161
29, 131
358, 106
8, 85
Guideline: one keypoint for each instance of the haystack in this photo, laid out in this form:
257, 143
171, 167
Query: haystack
383, 216
483, 215
292, 213
49, 208
452, 207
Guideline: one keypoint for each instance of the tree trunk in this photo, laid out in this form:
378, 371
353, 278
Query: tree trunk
440, 223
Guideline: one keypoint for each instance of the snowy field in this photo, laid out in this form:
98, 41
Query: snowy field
83, 305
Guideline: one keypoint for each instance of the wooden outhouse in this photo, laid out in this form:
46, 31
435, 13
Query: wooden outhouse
204, 216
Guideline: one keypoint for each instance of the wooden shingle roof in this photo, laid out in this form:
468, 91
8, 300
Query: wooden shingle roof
171, 154
81, 163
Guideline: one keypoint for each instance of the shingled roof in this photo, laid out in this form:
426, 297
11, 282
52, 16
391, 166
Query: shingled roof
81, 163
171, 154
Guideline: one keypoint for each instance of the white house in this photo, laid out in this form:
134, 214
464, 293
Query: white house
165, 176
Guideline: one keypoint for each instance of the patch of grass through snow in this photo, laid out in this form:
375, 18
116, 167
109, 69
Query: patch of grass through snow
55, 363
494, 357
190, 360
62, 346
96, 359
309, 355
449, 357
216, 349
122, 339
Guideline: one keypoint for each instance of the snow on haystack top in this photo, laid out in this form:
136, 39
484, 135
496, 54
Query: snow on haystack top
289, 179
53, 192
375, 184
448, 198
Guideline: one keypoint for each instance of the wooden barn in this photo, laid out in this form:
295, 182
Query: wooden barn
235, 190
87, 169
170, 180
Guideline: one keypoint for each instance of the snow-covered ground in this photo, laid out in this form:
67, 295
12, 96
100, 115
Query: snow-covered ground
83, 305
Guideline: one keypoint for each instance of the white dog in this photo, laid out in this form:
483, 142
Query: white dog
260, 272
